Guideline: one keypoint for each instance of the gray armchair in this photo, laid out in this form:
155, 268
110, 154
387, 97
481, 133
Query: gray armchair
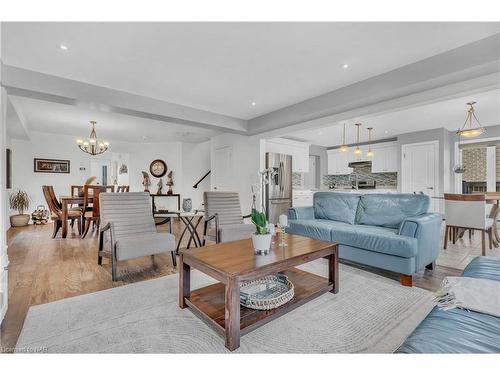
223, 219
128, 226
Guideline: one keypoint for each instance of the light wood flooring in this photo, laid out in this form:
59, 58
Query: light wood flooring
43, 270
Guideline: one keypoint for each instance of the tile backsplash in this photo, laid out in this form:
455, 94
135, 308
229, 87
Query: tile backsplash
389, 179
297, 180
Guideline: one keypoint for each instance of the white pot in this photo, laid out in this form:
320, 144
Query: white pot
261, 242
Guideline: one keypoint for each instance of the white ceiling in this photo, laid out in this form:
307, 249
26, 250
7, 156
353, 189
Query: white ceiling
57, 118
448, 114
224, 67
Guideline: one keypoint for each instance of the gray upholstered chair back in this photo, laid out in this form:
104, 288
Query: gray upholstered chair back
130, 213
225, 204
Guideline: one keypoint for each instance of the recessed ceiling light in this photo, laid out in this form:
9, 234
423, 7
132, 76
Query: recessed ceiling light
386, 132
254, 104
63, 47
345, 66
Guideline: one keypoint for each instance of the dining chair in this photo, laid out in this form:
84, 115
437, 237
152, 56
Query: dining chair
92, 213
468, 212
223, 218
123, 189
55, 208
128, 226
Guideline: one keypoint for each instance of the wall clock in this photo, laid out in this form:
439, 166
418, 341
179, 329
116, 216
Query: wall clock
158, 168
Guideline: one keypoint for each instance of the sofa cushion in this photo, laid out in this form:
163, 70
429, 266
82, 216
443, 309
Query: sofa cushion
373, 238
483, 268
138, 245
315, 228
336, 206
454, 331
389, 210
378, 239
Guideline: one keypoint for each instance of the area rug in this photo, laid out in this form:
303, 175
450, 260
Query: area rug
370, 314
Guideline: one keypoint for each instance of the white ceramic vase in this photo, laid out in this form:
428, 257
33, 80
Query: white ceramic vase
261, 242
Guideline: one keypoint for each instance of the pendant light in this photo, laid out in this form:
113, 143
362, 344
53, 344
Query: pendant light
358, 151
344, 147
469, 130
370, 152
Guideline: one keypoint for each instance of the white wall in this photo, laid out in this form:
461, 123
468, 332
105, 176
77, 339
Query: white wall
246, 164
137, 156
195, 164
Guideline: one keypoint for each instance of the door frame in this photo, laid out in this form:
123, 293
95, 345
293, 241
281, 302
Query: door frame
437, 187
457, 186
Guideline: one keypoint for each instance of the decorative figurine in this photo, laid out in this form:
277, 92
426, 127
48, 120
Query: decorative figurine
160, 187
170, 183
146, 182
283, 223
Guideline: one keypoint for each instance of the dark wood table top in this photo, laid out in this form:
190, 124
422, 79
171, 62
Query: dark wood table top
238, 258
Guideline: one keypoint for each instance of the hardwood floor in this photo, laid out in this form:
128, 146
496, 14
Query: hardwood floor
43, 270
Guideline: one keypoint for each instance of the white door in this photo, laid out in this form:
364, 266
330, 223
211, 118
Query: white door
222, 169
419, 170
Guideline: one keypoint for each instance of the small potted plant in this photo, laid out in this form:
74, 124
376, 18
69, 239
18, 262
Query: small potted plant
19, 201
261, 239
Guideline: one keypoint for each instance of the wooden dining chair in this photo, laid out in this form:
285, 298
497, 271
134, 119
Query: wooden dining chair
123, 189
55, 208
92, 213
468, 212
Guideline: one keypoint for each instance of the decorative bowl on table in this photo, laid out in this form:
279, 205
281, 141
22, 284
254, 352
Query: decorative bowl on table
266, 293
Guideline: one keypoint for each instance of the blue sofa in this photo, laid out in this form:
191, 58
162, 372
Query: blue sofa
457, 330
388, 231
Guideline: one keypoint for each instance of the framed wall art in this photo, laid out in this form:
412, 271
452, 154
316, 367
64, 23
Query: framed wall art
51, 166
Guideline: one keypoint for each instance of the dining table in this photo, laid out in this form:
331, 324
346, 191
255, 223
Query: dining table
66, 202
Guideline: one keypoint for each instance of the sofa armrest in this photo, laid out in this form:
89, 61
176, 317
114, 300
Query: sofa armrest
296, 213
427, 230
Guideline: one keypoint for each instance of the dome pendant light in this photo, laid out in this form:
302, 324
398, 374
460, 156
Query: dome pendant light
344, 147
370, 152
358, 151
468, 130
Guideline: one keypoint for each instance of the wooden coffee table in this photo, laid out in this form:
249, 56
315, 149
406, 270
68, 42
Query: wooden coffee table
231, 263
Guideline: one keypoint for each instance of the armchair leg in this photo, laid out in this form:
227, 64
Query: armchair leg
431, 266
101, 245
174, 260
205, 227
406, 280
113, 268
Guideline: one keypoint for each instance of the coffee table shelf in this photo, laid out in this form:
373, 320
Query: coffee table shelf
234, 262
208, 303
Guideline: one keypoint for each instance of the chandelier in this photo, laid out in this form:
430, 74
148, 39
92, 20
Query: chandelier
469, 130
92, 146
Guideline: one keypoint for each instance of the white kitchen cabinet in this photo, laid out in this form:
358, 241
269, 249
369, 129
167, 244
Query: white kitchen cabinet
302, 198
385, 158
338, 162
298, 150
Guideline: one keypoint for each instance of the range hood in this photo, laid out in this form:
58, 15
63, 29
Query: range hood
359, 164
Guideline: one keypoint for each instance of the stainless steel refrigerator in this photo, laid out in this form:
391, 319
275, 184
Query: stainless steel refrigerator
279, 190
